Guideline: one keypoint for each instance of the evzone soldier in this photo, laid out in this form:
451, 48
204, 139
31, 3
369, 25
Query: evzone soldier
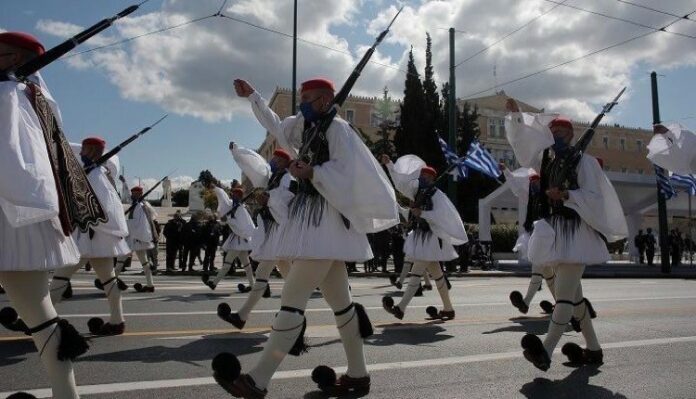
238, 244
142, 236
437, 227
580, 213
100, 244
406, 267
269, 217
524, 183
328, 219
44, 196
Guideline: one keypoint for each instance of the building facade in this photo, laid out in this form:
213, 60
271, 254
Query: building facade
622, 149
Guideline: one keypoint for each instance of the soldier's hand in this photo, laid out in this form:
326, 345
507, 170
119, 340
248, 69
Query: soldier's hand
555, 194
301, 170
231, 145
384, 159
243, 88
416, 212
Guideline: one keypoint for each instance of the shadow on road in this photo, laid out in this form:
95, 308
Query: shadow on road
409, 334
13, 352
536, 326
575, 385
200, 350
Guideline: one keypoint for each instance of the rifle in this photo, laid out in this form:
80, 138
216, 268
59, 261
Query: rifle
142, 198
575, 152
318, 131
99, 162
34, 65
240, 203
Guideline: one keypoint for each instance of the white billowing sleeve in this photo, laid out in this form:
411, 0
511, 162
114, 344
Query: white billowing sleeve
518, 181
111, 203
596, 201
674, 150
287, 132
354, 182
405, 173
150, 210
241, 223
139, 226
280, 198
529, 135
253, 165
225, 203
444, 220
27, 188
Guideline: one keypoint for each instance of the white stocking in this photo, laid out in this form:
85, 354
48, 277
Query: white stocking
404, 272
145, 262
59, 285
226, 266
436, 271
304, 277
337, 295
263, 272
567, 283
28, 293
104, 267
417, 272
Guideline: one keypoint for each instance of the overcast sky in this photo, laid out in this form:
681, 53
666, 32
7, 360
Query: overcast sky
188, 71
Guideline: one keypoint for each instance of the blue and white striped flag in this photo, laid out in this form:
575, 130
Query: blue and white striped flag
664, 183
480, 159
686, 182
460, 171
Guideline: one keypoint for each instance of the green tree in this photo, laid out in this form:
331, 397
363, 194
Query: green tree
180, 197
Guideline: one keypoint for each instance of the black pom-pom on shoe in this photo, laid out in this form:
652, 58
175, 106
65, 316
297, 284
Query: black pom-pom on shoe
11, 321
518, 301
546, 306
535, 352
98, 284
431, 311
324, 376
95, 324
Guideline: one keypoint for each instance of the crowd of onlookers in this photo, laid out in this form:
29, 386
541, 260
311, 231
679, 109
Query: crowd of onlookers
196, 241
680, 246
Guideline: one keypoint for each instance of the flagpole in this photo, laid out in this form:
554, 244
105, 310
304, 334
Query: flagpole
690, 236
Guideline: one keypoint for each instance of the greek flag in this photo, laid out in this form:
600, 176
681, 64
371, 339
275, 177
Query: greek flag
459, 172
664, 183
480, 159
686, 182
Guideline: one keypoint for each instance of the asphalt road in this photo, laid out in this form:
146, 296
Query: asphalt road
647, 327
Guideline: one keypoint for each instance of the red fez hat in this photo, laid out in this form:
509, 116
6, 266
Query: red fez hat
281, 153
561, 122
429, 170
22, 40
534, 177
601, 162
318, 83
238, 191
94, 140
137, 189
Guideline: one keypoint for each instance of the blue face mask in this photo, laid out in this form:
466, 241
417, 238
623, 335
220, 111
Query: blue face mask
423, 182
559, 144
86, 161
273, 165
308, 112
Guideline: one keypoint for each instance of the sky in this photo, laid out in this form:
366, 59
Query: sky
187, 71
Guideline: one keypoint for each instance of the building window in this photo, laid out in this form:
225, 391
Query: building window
605, 141
641, 171
624, 170
622, 144
496, 128
639, 145
350, 115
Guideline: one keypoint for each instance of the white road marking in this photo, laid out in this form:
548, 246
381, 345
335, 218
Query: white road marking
304, 373
266, 311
